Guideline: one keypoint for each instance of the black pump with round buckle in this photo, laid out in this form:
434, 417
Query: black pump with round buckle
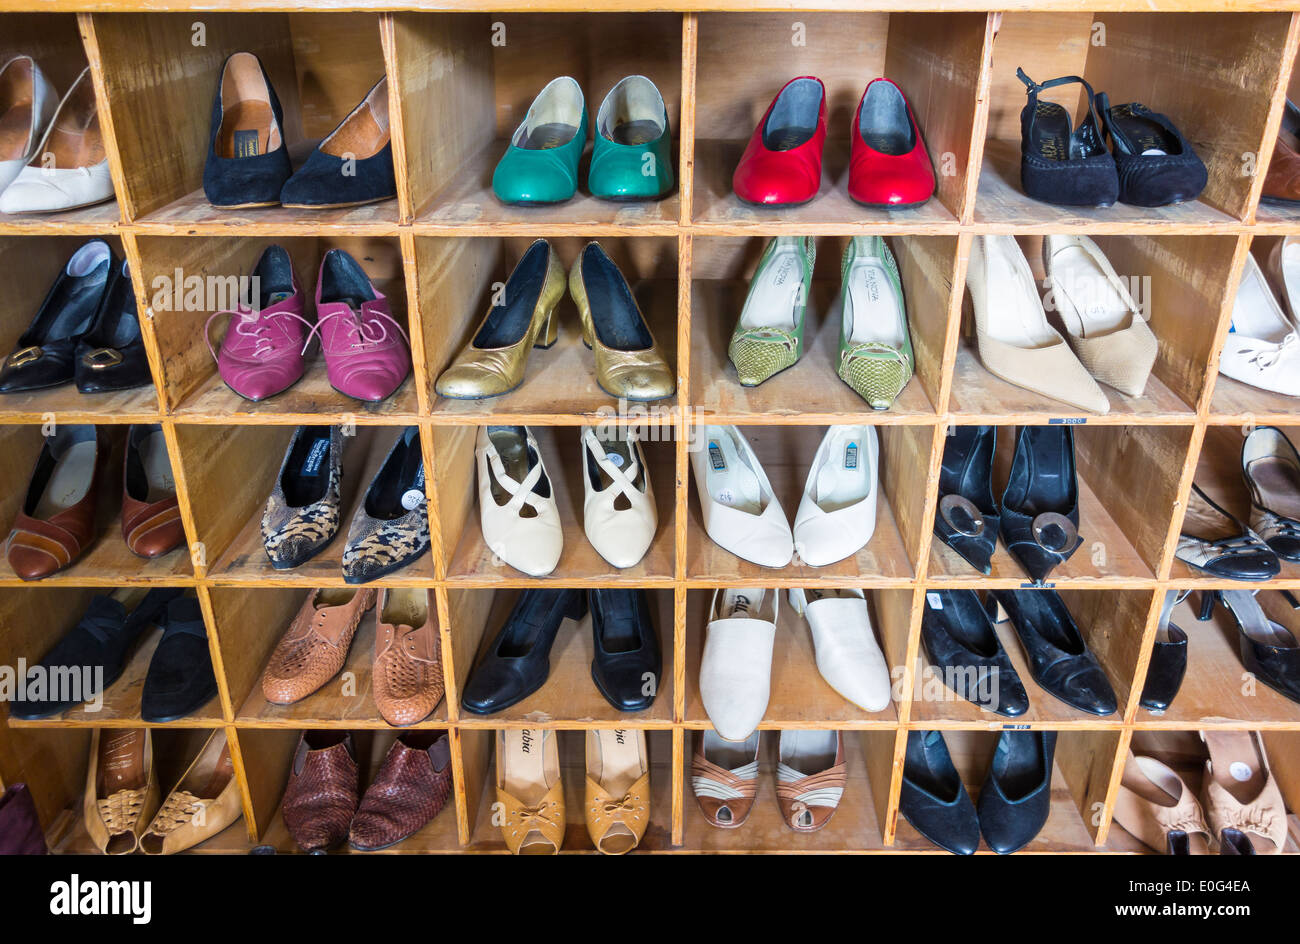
967, 519
1054, 532
1040, 506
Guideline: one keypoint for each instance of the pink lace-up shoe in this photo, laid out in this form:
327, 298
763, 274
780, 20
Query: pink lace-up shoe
367, 353
261, 354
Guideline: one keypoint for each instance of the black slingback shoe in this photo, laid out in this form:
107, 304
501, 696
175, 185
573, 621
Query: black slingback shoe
1017, 793
1155, 163
1040, 506
967, 519
1271, 467
1218, 543
960, 640
933, 799
1269, 650
1168, 659
518, 661
110, 356
1060, 165
627, 664
1059, 659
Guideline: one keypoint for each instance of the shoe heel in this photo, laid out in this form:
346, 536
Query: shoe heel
996, 611
1208, 598
586, 333
798, 601
550, 332
577, 605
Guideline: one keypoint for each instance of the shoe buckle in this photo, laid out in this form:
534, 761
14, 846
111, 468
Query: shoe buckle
1054, 532
962, 515
102, 357
25, 356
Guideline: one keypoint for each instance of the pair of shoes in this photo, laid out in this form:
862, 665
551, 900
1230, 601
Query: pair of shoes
629, 364
837, 513
323, 806
1013, 802
1282, 182
86, 331
810, 777
1039, 515
248, 158
1107, 334
626, 666
875, 354
1168, 662
889, 166
57, 521
1262, 348
1266, 634
736, 665
517, 507
632, 158
1149, 163
52, 158
367, 352
407, 677
616, 796
961, 642
389, 530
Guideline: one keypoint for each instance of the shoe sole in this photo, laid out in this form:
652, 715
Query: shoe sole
391, 568
193, 707
243, 206
336, 206
888, 206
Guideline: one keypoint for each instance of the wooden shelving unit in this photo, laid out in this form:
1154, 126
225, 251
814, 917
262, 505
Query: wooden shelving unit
436, 251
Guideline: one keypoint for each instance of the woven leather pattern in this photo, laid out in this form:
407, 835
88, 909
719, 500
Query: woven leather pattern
321, 797
406, 794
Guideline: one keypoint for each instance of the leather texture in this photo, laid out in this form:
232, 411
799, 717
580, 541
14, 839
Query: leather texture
367, 352
848, 656
1244, 808
784, 168
254, 180
837, 511
518, 514
1040, 505
809, 798
736, 666
618, 169
315, 647
725, 793
627, 665
934, 799
892, 175
1168, 662
180, 679
619, 516
121, 788
151, 515
964, 650
531, 824
411, 788
302, 512
391, 528
758, 348
1017, 793
407, 679
967, 518
545, 169
110, 356
1156, 806
322, 793
202, 803
617, 812
1267, 623
761, 536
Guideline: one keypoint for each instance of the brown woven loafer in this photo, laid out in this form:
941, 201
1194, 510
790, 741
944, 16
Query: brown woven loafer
407, 676
314, 649
411, 788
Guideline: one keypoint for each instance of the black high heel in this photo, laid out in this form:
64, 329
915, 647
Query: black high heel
1040, 506
967, 519
1058, 164
1268, 650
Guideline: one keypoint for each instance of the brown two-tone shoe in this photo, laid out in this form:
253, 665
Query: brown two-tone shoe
202, 804
57, 521
121, 788
151, 516
724, 777
407, 678
321, 796
316, 645
411, 788
810, 778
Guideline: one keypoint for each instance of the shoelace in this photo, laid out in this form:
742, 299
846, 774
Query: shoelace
1267, 357
620, 807
254, 325
179, 810
358, 326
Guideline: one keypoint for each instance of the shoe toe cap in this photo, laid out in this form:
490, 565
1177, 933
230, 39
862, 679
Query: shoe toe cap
372, 383
470, 382
30, 563
1259, 565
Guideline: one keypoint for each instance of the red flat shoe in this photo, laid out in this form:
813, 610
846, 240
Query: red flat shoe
782, 166
889, 165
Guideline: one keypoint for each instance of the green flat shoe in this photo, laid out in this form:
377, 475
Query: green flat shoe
541, 163
633, 156
769, 335
875, 347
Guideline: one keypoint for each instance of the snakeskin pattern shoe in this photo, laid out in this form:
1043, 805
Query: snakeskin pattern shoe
876, 357
769, 335
391, 528
302, 514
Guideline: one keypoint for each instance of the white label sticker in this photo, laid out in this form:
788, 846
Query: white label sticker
1241, 772
412, 499
935, 601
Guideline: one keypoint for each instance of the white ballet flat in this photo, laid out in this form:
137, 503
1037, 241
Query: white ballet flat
736, 668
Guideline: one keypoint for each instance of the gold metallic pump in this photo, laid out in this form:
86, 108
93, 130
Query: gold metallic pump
493, 363
628, 362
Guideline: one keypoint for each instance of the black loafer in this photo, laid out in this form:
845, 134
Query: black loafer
110, 356
960, 640
46, 353
967, 518
1168, 661
180, 680
934, 800
1155, 163
248, 158
1017, 793
518, 661
101, 641
626, 665
1268, 649
1059, 164
1061, 662
1040, 507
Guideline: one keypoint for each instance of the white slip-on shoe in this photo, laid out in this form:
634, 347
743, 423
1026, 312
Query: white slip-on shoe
837, 514
736, 668
741, 513
68, 169
618, 512
516, 500
27, 103
1263, 346
1015, 341
1105, 327
848, 656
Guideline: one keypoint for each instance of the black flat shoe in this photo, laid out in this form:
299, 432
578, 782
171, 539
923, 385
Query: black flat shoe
960, 640
101, 642
1271, 467
1017, 793
518, 661
626, 666
248, 160
1218, 543
1155, 163
1269, 650
180, 680
45, 355
1168, 660
967, 519
110, 356
1060, 165
1061, 662
933, 799
1040, 506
